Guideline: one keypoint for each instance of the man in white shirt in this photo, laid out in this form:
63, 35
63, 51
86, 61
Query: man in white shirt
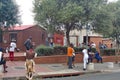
85, 58
11, 50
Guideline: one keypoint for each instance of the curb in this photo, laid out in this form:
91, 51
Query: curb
51, 75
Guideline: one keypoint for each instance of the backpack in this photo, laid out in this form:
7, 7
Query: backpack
26, 43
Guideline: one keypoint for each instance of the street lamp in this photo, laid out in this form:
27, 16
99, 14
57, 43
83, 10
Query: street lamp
87, 32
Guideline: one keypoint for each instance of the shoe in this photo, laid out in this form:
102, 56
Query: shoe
70, 68
5, 71
6, 66
84, 69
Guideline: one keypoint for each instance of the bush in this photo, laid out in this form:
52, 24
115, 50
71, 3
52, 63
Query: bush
78, 50
107, 52
44, 50
57, 50
60, 50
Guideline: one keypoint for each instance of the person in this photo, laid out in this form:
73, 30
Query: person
85, 58
90, 58
93, 45
70, 51
3, 61
29, 64
7, 50
98, 57
28, 43
12, 50
73, 59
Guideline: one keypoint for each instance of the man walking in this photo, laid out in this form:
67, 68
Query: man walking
70, 51
28, 43
85, 58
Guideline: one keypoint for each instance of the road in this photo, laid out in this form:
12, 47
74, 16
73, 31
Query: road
98, 76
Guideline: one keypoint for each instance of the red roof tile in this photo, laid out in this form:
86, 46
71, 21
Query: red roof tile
22, 27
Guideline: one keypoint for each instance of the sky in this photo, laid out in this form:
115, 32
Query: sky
26, 8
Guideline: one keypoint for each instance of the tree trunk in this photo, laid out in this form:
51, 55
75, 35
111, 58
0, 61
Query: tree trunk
67, 37
68, 28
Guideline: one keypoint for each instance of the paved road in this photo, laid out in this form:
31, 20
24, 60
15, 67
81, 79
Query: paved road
98, 76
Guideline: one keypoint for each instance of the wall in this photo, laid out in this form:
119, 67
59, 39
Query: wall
63, 59
108, 42
96, 40
34, 31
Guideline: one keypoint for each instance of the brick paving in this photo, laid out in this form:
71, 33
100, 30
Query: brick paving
16, 69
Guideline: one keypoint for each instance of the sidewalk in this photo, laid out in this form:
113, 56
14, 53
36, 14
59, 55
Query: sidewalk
16, 70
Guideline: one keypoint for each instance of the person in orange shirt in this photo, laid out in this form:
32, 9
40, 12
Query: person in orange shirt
70, 51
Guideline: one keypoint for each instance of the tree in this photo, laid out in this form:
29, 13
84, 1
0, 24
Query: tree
116, 25
103, 22
69, 14
9, 13
56, 13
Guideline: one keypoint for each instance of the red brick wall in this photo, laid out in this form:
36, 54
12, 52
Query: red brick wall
22, 35
63, 59
36, 33
107, 42
96, 40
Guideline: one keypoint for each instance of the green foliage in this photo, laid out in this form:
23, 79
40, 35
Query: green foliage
58, 50
44, 50
78, 50
116, 20
71, 14
9, 12
103, 22
107, 52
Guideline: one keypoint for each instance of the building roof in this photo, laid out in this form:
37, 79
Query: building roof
22, 27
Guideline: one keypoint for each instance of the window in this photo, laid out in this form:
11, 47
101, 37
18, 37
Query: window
43, 36
13, 36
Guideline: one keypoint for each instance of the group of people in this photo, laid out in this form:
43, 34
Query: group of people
11, 50
87, 56
29, 45
30, 54
102, 46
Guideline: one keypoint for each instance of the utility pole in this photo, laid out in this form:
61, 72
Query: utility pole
87, 19
87, 30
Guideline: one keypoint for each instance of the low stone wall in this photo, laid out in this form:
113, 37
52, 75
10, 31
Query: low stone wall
63, 59
56, 59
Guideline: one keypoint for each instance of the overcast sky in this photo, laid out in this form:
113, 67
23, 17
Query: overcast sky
26, 8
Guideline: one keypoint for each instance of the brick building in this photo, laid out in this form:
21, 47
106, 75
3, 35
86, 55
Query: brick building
21, 33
